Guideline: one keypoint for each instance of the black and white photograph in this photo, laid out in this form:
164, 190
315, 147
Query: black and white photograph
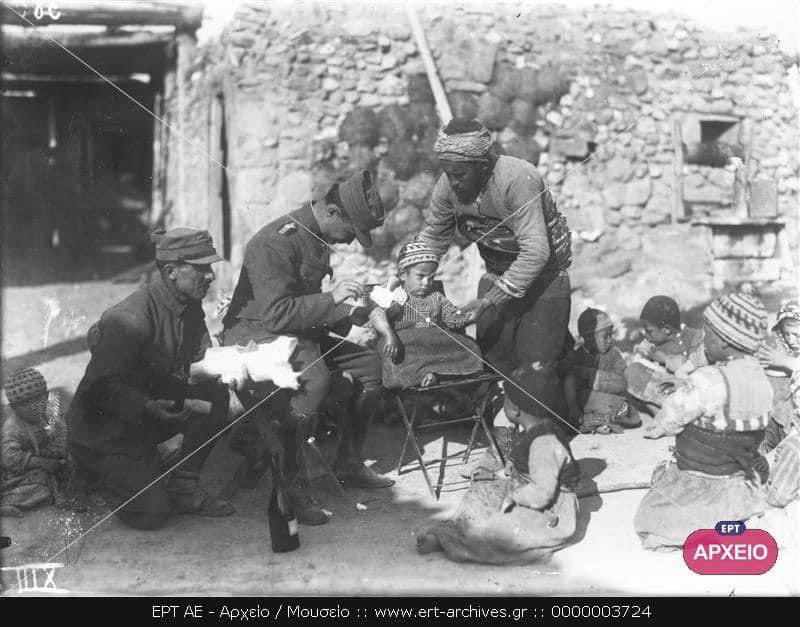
399, 299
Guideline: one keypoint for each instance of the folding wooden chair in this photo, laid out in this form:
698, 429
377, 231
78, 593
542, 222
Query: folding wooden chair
483, 416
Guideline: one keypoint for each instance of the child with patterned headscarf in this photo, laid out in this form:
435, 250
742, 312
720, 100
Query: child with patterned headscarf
34, 455
594, 379
669, 352
718, 417
416, 338
780, 356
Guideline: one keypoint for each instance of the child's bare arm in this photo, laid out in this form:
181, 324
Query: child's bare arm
380, 322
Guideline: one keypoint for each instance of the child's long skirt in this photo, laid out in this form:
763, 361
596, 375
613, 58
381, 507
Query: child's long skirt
683, 501
430, 349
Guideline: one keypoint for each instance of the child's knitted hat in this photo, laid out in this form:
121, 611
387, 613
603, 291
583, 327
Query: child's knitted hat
25, 385
740, 319
661, 311
416, 252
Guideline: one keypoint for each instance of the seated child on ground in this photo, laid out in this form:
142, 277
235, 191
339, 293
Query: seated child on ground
668, 353
34, 455
521, 518
718, 417
780, 355
594, 379
415, 338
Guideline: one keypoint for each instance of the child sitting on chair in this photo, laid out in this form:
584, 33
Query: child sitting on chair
34, 454
594, 382
415, 337
669, 352
780, 356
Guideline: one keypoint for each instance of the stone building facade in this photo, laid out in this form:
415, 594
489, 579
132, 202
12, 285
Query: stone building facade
293, 96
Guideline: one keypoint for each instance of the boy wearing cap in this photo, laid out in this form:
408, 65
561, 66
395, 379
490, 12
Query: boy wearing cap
279, 293
718, 419
670, 351
130, 398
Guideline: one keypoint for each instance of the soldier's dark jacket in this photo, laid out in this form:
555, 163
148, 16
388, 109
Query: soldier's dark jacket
278, 292
140, 348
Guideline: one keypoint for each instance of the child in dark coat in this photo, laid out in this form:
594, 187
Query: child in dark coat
594, 380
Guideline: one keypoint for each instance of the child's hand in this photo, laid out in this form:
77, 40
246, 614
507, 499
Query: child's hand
667, 387
654, 431
657, 355
770, 357
392, 348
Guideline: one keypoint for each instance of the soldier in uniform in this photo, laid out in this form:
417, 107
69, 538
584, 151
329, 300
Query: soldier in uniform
523, 305
279, 293
130, 398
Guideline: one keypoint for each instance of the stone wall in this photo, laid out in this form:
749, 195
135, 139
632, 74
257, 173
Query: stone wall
311, 92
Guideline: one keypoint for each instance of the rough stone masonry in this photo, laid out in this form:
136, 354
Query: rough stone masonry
306, 93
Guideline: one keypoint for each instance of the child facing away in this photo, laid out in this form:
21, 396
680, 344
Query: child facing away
780, 356
594, 378
669, 352
415, 337
718, 417
34, 454
525, 516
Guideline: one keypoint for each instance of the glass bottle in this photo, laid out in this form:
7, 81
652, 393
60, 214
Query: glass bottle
283, 530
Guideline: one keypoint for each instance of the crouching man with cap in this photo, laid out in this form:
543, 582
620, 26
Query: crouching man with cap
279, 293
132, 395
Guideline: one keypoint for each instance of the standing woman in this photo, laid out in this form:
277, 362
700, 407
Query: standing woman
501, 204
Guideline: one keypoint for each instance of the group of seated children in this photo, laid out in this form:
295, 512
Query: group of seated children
603, 391
719, 416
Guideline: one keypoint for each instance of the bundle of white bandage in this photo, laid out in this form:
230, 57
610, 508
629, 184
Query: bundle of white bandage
255, 362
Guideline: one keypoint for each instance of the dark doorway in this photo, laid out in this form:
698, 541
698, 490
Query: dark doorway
75, 179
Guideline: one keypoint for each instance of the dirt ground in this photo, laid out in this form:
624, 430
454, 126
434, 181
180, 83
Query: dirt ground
364, 550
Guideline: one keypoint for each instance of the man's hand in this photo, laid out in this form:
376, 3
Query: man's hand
161, 409
348, 288
476, 309
392, 347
